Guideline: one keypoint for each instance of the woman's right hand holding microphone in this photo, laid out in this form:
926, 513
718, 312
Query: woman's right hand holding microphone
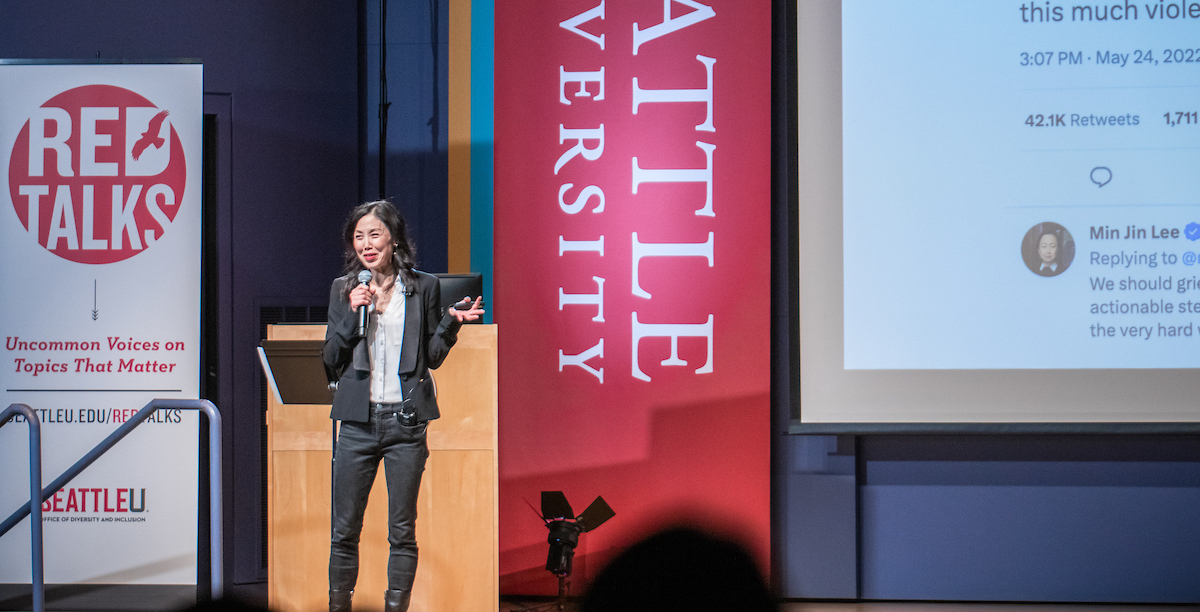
361, 295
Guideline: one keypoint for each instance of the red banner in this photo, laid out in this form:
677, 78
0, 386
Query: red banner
632, 270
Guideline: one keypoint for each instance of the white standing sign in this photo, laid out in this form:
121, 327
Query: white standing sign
100, 228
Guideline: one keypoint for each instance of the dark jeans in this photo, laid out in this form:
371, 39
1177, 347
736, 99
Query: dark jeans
360, 446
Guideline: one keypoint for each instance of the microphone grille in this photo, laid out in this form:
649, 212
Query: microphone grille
364, 277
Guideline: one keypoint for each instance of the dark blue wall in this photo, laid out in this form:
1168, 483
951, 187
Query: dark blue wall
289, 85
1058, 518
416, 168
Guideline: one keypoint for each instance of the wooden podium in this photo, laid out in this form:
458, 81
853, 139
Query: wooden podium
457, 518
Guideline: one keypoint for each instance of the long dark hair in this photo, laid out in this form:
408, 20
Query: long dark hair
404, 254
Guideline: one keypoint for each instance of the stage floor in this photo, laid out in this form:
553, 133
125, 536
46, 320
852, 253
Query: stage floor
68, 600
809, 606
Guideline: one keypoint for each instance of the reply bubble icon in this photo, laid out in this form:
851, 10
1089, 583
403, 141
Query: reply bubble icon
1101, 176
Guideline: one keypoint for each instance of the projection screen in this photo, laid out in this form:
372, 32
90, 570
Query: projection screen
999, 215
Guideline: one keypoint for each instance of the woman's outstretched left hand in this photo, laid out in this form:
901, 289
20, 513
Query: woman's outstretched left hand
469, 311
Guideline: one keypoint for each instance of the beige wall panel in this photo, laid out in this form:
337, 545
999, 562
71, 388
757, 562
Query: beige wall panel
298, 463
467, 392
456, 521
306, 331
458, 224
300, 530
455, 518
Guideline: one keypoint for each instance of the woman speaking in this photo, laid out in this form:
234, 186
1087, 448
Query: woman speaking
385, 332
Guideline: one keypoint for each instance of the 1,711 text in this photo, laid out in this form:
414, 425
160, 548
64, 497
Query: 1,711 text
1181, 118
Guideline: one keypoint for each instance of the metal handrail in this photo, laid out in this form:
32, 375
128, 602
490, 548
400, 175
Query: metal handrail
35, 485
214, 471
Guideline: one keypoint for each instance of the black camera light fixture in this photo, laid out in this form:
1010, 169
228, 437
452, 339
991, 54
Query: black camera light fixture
565, 528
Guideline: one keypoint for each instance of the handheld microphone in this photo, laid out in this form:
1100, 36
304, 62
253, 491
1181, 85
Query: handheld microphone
364, 278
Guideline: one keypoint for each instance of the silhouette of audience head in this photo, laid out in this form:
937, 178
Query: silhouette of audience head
680, 568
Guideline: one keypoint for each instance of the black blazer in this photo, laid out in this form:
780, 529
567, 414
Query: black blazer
428, 336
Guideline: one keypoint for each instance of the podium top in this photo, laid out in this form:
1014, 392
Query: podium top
295, 371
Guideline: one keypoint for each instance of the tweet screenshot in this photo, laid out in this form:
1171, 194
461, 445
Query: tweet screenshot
1021, 185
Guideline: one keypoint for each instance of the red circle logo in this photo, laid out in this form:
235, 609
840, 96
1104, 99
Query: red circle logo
97, 174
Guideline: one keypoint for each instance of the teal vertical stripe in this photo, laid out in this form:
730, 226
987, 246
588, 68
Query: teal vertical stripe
483, 45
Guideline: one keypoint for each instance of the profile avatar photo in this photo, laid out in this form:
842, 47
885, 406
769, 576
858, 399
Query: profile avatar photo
1048, 249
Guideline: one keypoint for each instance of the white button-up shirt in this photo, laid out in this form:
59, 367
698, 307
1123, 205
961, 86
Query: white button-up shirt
385, 336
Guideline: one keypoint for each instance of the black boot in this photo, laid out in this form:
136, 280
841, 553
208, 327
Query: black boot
396, 600
339, 601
